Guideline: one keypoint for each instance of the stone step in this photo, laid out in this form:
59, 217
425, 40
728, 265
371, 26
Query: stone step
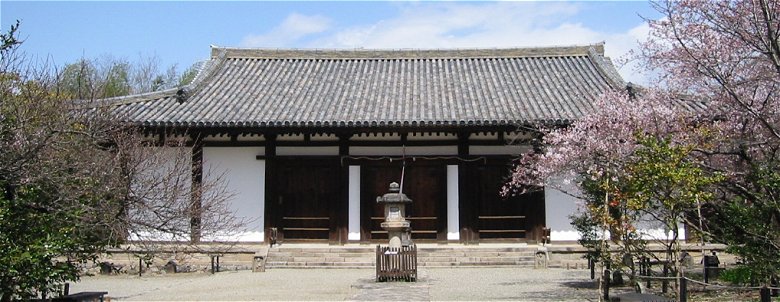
364, 257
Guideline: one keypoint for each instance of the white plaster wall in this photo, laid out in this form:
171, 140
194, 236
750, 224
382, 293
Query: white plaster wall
165, 171
290, 137
398, 151
498, 150
307, 151
431, 136
354, 203
376, 137
245, 176
558, 206
484, 136
453, 197
655, 230
324, 137
250, 138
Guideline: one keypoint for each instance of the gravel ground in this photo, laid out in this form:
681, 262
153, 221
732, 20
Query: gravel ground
436, 284
511, 284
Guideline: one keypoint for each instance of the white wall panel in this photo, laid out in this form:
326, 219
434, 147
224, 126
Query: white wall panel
499, 150
354, 203
307, 151
453, 198
558, 207
245, 176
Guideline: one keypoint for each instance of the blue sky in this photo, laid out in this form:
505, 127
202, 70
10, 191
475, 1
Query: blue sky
180, 32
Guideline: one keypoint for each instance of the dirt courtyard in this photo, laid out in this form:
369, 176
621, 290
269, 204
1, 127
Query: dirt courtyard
434, 284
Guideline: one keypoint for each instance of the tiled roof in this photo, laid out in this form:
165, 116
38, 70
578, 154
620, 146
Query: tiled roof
359, 88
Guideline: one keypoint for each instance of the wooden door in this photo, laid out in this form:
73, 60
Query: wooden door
425, 183
308, 192
513, 218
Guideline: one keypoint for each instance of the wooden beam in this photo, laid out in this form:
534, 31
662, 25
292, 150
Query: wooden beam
340, 207
272, 214
260, 130
196, 193
463, 143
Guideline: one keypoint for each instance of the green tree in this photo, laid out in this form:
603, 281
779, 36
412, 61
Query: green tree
74, 181
667, 184
53, 201
9, 40
107, 77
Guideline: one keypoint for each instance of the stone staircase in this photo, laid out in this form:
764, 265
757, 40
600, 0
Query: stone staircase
433, 255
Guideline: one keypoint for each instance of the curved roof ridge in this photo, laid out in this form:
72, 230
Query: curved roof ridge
203, 75
127, 99
361, 53
606, 67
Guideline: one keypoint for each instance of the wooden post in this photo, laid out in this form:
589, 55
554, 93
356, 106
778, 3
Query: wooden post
467, 207
378, 263
197, 186
339, 209
273, 233
140, 268
592, 266
648, 272
683, 295
665, 284
764, 293
606, 281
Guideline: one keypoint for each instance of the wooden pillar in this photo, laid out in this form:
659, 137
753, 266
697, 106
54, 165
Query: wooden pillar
196, 187
272, 212
441, 209
339, 210
535, 215
469, 233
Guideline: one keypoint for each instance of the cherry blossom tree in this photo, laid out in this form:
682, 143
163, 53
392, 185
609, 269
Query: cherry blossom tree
715, 103
727, 53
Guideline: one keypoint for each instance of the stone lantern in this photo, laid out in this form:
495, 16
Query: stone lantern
397, 227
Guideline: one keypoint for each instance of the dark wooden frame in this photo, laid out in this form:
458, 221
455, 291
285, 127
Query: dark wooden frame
338, 233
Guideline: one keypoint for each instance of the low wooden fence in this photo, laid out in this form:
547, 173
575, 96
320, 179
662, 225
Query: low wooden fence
396, 264
765, 293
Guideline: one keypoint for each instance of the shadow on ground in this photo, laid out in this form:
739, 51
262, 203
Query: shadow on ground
580, 284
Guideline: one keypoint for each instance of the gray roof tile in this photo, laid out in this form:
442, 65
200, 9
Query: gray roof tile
277, 88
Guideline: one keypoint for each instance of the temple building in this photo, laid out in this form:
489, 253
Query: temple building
307, 139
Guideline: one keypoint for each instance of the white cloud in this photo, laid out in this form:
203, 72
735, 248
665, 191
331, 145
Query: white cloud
464, 25
291, 30
458, 25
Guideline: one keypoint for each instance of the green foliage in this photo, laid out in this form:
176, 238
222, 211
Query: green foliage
750, 224
659, 180
740, 275
189, 74
9, 40
42, 244
52, 196
86, 80
666, 182
589, 229
89, 79
74, 182
664, 179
